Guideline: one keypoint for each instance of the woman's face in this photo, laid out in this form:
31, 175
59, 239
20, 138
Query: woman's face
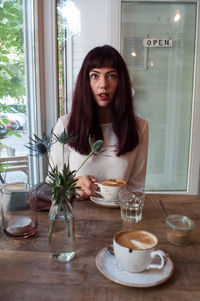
103, 82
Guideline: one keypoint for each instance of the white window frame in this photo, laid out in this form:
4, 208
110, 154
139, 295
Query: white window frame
41, 74
46, 62
29, 42
194, 160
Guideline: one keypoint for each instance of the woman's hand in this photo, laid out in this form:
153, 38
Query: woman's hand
87, 186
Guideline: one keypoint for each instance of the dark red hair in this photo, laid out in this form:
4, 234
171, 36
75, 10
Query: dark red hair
84, 119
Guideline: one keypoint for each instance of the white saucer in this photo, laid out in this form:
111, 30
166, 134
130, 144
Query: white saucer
102, 202
109, 267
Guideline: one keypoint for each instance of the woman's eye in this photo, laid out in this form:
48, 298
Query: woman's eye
93, 76
112, 76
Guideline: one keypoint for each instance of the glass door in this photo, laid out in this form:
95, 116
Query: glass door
158, 44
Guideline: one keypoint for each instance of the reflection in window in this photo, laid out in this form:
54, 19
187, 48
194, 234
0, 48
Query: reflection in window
69, 26
13, 101
163, 85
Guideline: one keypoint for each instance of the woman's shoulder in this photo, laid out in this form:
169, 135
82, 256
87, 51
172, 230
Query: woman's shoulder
64, 119
61, 124
142, 122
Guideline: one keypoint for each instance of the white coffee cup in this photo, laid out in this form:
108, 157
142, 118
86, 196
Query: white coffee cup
110, 188
135, 250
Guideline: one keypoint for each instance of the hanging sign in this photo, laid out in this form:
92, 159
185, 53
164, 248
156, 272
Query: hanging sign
157, 42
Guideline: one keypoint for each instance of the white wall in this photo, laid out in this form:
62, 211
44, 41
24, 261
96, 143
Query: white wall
94, 32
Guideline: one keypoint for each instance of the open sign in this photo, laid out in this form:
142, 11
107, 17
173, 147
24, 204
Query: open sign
157, 42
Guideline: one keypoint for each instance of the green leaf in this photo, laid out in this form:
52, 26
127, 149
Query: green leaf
11, 49
3, 167
11, 133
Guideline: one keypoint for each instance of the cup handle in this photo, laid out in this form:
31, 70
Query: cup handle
163, 258
96, 191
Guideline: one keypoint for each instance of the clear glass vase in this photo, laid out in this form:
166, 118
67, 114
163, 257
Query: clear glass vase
61, 240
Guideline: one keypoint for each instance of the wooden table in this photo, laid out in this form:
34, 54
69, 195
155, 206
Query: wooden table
27, 272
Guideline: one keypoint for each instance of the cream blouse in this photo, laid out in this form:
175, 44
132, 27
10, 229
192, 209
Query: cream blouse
130, 167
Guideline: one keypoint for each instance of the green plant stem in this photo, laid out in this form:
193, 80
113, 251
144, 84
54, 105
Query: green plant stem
90, 154
48, 161
67, 222
54, 220
63, 148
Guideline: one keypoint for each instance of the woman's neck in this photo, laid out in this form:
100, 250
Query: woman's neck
105, 115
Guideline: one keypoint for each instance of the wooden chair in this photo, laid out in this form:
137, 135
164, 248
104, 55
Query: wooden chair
19, 163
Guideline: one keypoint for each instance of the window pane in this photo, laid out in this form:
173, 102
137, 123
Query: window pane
80, 28
163, 81
13, 98
62, 66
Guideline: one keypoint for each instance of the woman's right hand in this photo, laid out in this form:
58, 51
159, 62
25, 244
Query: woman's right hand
87, 186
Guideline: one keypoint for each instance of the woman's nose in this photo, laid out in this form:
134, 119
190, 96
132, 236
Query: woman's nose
103, 82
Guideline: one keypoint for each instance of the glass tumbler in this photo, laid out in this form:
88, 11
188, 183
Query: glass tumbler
131, 205
18, 208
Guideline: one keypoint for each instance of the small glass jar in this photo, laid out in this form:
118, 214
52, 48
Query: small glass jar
178, 229
18, 208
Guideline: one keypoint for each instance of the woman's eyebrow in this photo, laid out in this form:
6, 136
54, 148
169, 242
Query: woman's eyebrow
93, 70
110, 71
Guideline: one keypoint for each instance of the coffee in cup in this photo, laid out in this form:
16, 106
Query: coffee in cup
135, 250
110, 188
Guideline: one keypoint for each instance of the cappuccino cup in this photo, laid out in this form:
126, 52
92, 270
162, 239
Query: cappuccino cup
135, 251
110, 188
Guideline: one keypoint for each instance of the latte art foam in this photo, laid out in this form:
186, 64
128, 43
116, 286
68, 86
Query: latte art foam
113, 182
136, 239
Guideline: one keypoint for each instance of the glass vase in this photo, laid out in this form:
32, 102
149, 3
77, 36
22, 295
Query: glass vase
61, 241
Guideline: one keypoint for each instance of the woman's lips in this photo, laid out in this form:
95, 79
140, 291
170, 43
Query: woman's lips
103, 96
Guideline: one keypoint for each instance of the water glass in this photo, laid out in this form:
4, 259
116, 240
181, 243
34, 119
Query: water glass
18, 208
131, 205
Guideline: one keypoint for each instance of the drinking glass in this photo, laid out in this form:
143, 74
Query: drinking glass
131, 204
18, 208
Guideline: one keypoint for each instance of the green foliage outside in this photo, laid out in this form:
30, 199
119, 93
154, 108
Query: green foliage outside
12, 73
60, 45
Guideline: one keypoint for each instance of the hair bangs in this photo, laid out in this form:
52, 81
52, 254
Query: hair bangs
102, 58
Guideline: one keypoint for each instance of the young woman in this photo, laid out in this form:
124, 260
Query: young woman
102, 108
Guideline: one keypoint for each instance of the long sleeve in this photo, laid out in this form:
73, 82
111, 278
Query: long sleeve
56, 153
138, 172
